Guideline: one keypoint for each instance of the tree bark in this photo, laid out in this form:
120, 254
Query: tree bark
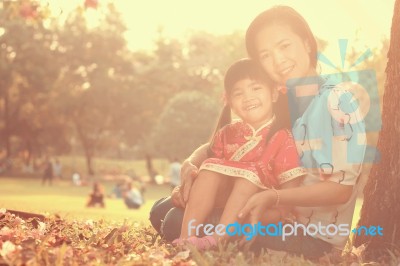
88, 149
381, 193
7, 130
89, 164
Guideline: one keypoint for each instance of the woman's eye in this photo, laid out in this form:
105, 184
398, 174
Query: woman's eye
257, 88
264, 56
285, 45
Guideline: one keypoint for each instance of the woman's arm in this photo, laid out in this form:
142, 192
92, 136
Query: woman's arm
189, 172
198, 156
177, 197
278, 213
320, 194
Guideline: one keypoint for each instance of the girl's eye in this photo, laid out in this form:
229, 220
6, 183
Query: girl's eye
257, 88
237, 94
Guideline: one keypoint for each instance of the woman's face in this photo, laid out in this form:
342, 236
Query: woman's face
282, 53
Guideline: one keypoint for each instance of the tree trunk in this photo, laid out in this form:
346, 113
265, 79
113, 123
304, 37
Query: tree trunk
29, 151
381, 194
7, 131
89, 163
87, 147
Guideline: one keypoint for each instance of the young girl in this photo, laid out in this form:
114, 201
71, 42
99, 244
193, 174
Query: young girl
246, 156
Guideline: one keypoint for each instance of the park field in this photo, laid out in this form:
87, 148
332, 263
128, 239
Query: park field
68, 201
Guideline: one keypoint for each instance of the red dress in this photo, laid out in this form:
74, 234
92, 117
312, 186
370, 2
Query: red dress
240, 151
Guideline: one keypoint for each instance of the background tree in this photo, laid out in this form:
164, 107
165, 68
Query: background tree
27, 73
174, 67
381, 193
93, 77
186, 123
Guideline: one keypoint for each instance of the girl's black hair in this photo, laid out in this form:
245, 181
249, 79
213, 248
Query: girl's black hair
248, 68
281, 15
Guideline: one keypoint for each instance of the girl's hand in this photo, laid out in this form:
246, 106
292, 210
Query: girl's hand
177, 197
189, 173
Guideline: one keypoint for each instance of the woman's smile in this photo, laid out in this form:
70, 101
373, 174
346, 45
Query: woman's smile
282, 53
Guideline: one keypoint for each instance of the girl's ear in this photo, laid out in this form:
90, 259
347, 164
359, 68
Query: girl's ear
275, 95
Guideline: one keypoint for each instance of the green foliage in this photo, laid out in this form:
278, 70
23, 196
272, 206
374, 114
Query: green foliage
27, 71
70, 80
187, 122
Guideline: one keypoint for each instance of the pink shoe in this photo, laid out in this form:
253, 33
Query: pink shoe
202, 243
178, 242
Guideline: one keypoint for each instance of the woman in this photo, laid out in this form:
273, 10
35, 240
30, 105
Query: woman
282, 42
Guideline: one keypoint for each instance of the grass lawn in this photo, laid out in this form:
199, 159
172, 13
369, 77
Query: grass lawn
27, 194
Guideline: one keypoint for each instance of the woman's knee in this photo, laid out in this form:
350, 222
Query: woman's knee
172, 223
159, 211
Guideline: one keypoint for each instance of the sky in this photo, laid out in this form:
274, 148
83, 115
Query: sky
329, 19
363, 22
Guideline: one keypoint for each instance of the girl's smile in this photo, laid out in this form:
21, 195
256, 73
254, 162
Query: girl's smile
252, 101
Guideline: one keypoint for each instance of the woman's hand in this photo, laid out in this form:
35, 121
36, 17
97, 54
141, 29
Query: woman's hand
177, 197
255, 209
189, 173
257, 205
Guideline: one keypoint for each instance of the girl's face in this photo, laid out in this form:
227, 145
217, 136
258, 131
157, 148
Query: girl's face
252, 101
282, 53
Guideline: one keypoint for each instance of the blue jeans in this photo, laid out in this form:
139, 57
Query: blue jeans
167, 220
308, 246
164, 215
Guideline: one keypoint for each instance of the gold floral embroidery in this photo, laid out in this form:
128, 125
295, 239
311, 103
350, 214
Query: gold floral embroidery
244, 149
291, 174
253, 138
233, 171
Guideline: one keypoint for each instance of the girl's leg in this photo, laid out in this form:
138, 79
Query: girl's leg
241, 192
209, 189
